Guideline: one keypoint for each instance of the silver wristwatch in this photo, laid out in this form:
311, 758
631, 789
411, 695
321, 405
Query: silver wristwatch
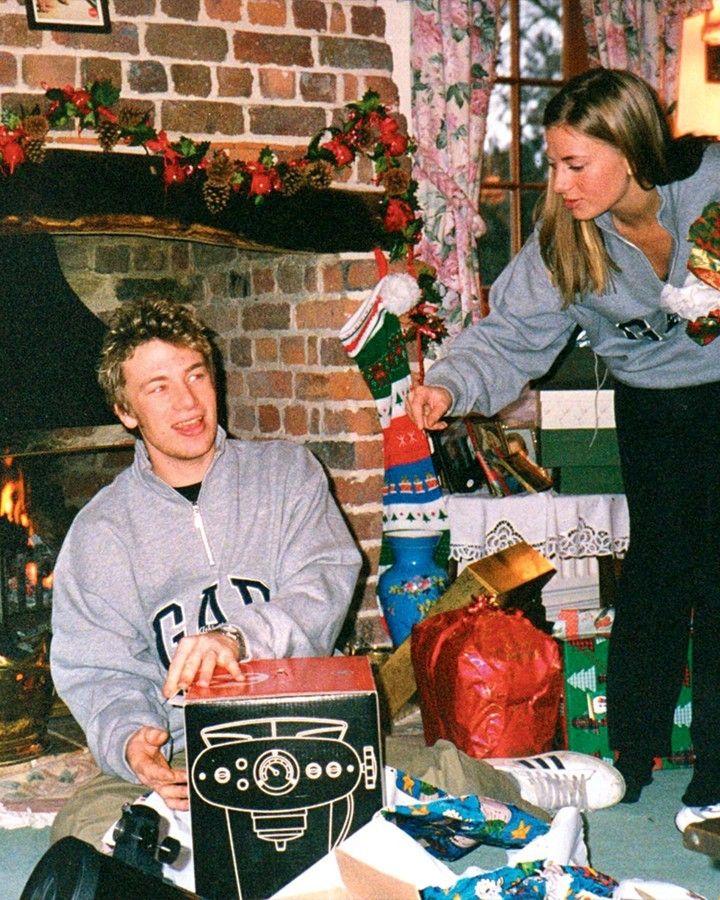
234, 632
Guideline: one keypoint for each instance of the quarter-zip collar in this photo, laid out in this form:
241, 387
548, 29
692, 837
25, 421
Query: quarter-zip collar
606, 224
142, 468
199, 524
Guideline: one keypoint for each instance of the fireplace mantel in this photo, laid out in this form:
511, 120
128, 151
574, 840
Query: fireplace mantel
83, 192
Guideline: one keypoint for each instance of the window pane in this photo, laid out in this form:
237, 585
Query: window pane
528, 202
494, 245
533, 165
541, 38
497, 140
503, 59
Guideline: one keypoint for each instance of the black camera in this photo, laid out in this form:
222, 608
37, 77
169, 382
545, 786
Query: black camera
137, 840
74, 870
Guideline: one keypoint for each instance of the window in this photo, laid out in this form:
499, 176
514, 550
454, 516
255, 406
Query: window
541, 45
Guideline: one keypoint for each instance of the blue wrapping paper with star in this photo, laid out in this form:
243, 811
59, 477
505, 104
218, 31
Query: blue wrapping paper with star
529, 881
450, 827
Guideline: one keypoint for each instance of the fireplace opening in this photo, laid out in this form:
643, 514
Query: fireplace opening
39, 497
50, 343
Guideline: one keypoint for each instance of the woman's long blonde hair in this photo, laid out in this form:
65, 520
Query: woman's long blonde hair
620, 109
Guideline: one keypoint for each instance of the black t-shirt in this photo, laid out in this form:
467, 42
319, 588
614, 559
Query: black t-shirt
190, 491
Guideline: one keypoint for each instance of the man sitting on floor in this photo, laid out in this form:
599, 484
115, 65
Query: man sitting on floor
205, 552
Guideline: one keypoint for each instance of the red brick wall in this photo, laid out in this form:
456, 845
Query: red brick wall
276, 317
241, 74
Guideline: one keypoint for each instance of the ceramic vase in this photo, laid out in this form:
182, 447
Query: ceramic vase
409, 587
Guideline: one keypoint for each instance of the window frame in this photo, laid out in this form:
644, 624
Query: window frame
574, 61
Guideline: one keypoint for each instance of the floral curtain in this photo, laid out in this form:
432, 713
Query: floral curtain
454, 47
642, 36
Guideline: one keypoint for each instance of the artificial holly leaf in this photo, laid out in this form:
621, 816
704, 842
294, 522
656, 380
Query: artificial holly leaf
369, 103
10, 119
315, 151
267, 157
104, 93
139, 134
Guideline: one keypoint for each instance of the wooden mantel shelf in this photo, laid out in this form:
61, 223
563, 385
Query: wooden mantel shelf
80, 192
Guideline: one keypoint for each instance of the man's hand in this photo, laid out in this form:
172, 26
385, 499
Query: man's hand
152, 769
426, 405
197, 656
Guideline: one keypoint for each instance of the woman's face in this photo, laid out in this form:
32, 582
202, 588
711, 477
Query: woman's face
591, 176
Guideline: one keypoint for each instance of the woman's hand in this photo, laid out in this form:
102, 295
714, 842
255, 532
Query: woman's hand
426, 405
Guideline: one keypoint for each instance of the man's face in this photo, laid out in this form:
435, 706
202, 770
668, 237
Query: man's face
170, 397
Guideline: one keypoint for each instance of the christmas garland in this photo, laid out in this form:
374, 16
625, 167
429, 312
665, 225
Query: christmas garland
367, 129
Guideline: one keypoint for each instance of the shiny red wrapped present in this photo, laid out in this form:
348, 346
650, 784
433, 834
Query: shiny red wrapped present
488, 680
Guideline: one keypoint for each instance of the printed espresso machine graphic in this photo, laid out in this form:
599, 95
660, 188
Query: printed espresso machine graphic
277, 770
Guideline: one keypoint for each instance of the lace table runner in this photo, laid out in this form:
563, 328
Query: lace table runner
560, 526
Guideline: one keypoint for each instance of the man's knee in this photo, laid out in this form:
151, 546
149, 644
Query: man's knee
94, 808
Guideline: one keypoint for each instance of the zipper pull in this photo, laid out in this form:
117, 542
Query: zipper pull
198, 523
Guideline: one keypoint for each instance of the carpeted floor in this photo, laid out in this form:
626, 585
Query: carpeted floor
637, 841
626, 841
30, 795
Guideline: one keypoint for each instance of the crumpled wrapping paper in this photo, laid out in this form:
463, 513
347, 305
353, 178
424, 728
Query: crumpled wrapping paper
488, 681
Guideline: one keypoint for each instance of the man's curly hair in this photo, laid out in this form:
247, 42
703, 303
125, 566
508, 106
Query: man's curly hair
139, 321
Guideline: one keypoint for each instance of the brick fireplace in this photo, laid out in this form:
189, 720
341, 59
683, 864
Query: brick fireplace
241, 75
275, 316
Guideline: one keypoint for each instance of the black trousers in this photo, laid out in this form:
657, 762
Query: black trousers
670, 455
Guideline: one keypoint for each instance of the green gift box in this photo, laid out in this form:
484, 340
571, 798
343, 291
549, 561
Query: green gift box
583, 461
578, 441
584, 713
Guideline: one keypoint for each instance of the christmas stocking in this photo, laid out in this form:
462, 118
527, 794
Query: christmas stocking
412, 497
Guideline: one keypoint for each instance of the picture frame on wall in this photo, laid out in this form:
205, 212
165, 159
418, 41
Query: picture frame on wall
69, 15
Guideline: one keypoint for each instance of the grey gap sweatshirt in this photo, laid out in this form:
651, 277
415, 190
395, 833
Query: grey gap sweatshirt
264, 548
490, 363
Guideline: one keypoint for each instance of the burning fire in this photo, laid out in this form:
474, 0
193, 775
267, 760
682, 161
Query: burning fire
13, 496
14, 508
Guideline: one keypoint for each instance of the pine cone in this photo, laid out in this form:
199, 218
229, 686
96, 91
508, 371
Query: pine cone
292, 178
108, 134
35, 151
396, 181
36, 129
129, 118
216, 196
317, 175
219, 169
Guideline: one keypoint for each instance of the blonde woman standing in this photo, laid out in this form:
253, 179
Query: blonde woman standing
612, 232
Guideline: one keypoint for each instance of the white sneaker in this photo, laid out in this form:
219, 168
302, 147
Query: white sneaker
564, 778
688, 815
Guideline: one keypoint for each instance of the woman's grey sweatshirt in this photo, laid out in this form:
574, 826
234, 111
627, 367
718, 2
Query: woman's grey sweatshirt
490, 363
264, 547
